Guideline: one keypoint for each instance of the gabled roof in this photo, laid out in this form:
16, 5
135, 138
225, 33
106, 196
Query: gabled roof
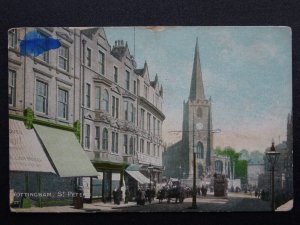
91, 32
143, 73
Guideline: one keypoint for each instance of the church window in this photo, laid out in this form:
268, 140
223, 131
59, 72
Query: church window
200, 151
199, 112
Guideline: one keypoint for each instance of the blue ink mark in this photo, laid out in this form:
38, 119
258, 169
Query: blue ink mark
35, 44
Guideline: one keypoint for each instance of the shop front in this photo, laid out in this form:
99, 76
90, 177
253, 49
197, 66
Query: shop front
110, 177
45, 163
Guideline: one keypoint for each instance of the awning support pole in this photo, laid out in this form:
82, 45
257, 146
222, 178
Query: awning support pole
39, 189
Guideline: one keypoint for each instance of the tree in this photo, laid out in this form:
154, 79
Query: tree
238, 168
231, 154
256, 157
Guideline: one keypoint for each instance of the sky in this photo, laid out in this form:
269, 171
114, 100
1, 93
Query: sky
247, 71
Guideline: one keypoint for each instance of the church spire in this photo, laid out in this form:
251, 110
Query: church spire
197, 90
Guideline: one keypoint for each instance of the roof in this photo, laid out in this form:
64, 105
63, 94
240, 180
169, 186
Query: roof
25, 151
65, 152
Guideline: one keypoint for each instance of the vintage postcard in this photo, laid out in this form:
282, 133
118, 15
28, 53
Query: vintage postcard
150, 119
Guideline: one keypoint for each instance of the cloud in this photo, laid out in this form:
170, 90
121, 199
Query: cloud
155, 28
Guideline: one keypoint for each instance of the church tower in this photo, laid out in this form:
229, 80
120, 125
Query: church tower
197, 124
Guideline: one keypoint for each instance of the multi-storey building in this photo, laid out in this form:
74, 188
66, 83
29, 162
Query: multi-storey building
45, 156
121, 114
95, 91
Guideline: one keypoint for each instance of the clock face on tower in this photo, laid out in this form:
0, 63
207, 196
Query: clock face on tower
199, 126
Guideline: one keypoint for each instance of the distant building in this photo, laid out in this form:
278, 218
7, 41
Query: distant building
197, 135
253, 173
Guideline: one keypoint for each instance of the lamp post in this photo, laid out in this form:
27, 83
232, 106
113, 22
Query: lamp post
194, 203
272, 157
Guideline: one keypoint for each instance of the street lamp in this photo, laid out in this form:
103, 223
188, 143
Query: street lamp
272, 157
194, 203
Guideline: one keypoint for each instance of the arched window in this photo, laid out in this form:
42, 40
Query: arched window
105, 139
105, 101
200, 151
131, 146
199, 112
219, 166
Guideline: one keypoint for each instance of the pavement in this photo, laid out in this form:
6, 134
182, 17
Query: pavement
87, 207
286, 207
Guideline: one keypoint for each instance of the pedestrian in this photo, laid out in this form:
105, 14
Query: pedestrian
126, 195
115, 193
202, 190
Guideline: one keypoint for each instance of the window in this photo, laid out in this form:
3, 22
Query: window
89, 57
45, 55
12, 38
101, 63
138, 87
145, 91
156, 100
41, 96
63, 58
158, 127
148, 148
97, 98
114, 146
148, 122
116, 74
88, 96
97, 138
134, 87
125, 144
115, 107
87, 136
131, 150
158, 150
12, 87
127, 80
105, 139
200, 151
142, 119
105, 101
131, 119
199, 112
154, 125
126, 109
62, 104
142, 145
132, 108
154, 149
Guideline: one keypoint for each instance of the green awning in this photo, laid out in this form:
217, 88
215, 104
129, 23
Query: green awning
65, 152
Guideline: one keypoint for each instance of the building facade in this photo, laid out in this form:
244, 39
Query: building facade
121, 113
94, 90
254, 171
43, 94
283, 173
